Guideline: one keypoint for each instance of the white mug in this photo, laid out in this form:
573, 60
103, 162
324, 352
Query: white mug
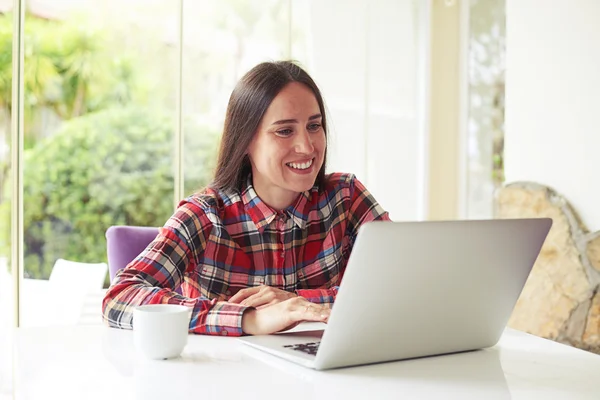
160, 331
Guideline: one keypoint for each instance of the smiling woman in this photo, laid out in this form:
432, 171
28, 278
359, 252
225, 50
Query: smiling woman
287, 154
265, 246
275, 116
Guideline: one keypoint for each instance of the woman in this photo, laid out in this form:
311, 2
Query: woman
265, 246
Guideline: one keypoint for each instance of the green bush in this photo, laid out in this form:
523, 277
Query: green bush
113, 167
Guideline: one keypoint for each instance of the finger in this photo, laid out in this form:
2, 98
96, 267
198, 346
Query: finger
272, 302
314, 312
321, 313
258, 299
244, 294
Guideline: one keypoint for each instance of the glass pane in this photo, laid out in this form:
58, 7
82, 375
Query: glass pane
367, 58
99, 121
487, 49
6, 280
223, 39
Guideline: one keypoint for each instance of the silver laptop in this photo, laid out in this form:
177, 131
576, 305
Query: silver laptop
416, 289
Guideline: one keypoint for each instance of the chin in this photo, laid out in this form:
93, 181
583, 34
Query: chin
299, 183
301, 187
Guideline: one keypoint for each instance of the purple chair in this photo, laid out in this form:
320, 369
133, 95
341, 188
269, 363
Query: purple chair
125, 243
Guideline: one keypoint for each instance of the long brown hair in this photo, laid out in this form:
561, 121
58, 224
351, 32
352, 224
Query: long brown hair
247, 105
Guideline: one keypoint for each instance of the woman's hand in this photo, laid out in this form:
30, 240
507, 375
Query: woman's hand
259, 296
283, 315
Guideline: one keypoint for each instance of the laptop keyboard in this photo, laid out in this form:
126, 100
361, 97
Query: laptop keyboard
308, 348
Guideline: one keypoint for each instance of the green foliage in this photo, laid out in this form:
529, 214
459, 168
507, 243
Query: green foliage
69, 69
107, 168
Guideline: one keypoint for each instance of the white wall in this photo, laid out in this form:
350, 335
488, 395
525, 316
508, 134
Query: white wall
553, 99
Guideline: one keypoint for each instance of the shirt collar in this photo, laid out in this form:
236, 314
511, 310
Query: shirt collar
262, 214
299, 211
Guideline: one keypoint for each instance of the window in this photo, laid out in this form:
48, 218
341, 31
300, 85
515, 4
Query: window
100, 118
368, 57
485, 124
101, 96
99, 127
6, 277
222, 40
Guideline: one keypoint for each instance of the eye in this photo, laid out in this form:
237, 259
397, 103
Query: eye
314, 127
284, 132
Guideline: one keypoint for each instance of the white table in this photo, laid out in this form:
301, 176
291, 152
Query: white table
96, 362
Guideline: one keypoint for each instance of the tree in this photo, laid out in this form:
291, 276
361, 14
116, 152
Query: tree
105, 168
68, 71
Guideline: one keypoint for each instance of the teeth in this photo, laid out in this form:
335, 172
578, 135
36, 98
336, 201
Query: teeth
303, 165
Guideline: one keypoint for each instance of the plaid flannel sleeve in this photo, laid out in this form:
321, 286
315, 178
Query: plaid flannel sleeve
320, 296
362, 208
153, 276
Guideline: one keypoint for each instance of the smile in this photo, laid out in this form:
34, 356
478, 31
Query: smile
301, 166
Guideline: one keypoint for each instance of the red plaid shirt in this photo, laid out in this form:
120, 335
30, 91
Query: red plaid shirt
218, 243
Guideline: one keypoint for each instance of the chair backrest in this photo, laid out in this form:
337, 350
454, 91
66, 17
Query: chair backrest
125, 243
70, 285
76, 275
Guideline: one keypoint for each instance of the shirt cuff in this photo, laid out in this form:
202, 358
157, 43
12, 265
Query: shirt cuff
319, 296
222, 318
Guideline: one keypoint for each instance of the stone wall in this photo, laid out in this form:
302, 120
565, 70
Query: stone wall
561, 299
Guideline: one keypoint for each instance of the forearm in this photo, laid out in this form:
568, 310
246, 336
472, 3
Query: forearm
208, 316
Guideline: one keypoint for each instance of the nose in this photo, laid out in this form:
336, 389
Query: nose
304, 142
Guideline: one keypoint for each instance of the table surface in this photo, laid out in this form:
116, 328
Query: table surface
97, 362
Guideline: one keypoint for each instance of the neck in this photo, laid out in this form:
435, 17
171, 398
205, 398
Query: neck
275, 197
277, 200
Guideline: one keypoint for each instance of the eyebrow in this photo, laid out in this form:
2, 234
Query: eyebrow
295, 121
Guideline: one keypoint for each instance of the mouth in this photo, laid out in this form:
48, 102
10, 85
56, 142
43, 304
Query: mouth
301, 166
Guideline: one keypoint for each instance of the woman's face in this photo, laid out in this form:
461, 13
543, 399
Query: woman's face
288, 148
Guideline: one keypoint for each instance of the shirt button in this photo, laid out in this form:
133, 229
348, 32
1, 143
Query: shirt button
224, 333
282, 254
228, 292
